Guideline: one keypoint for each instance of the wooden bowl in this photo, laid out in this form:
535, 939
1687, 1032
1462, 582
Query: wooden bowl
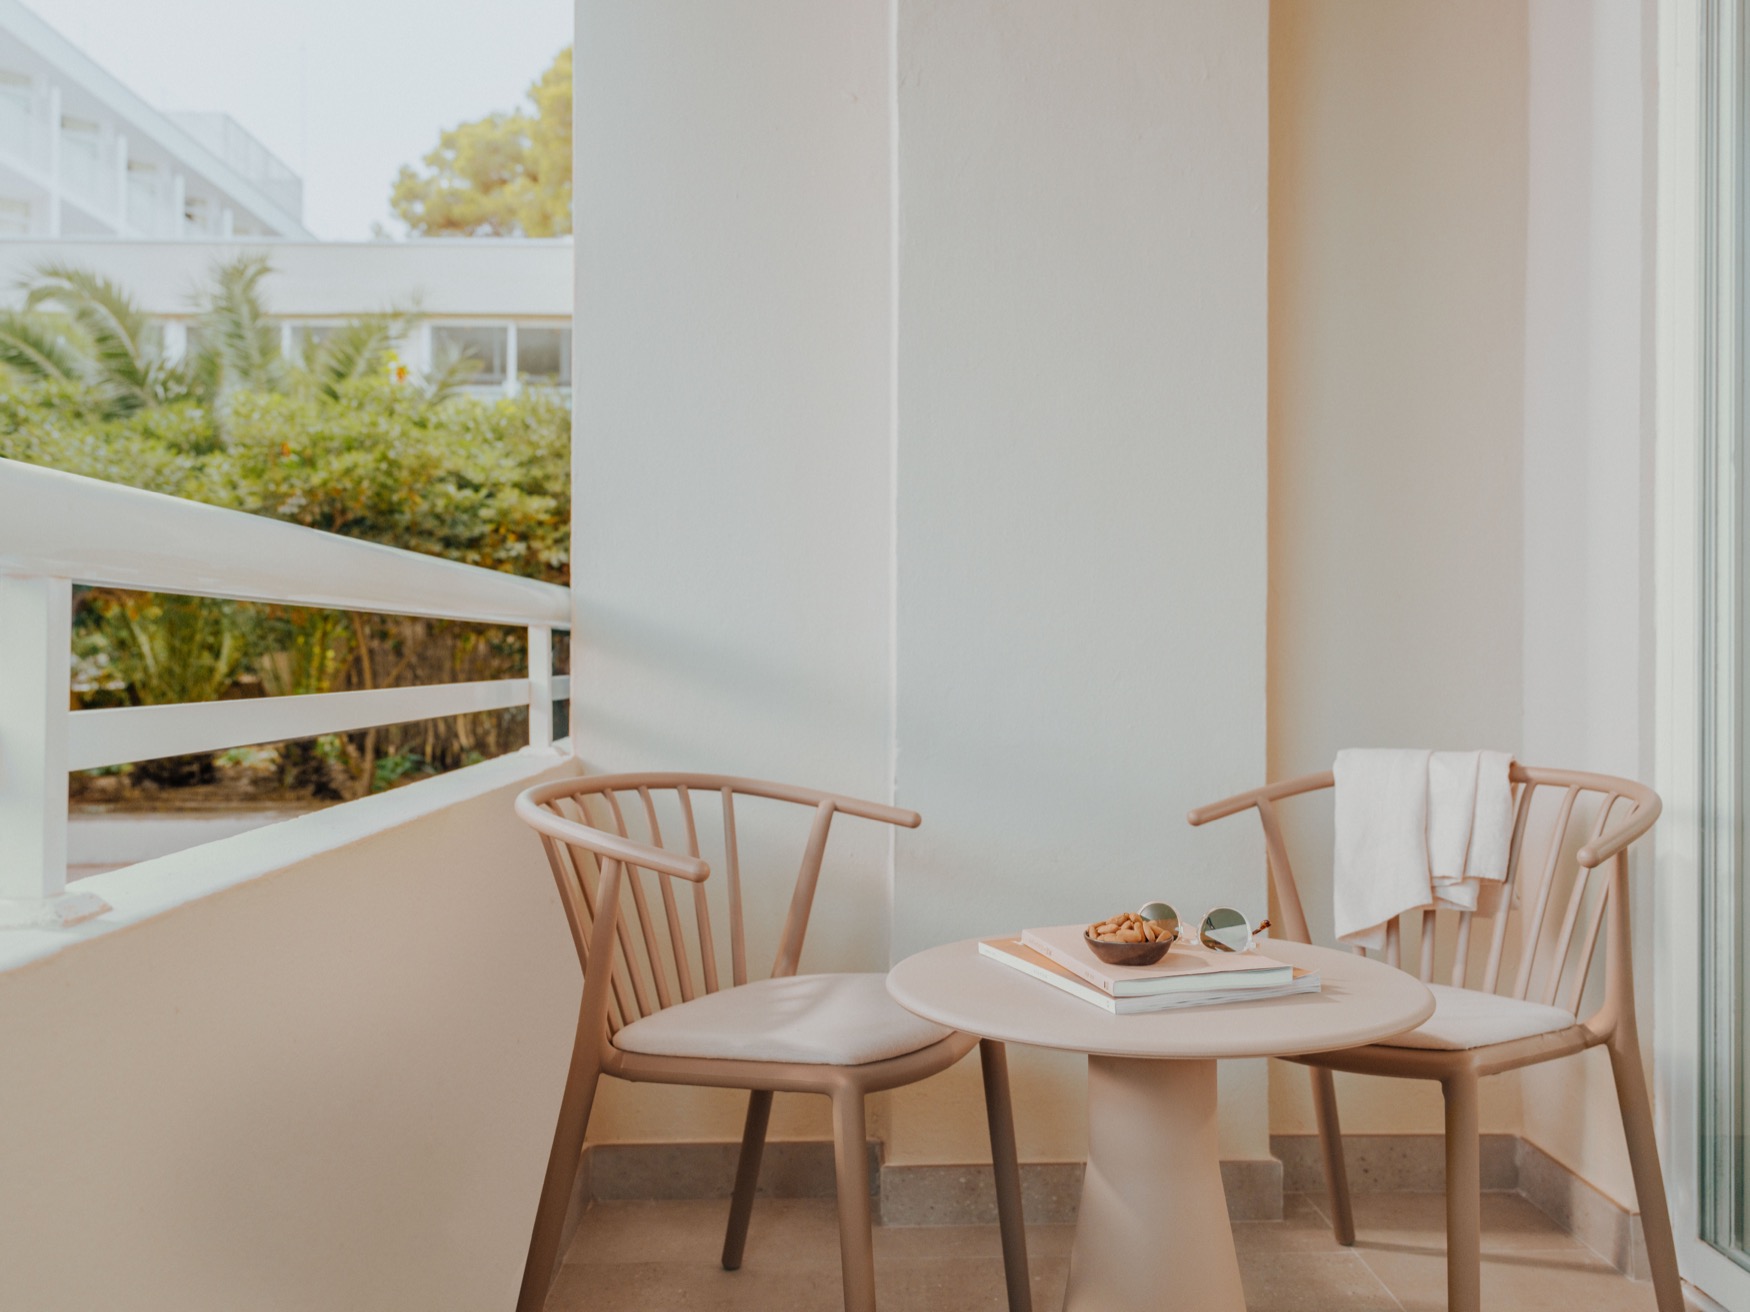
1127, 954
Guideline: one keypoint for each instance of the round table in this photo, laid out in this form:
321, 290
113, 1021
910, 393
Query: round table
1153, 1231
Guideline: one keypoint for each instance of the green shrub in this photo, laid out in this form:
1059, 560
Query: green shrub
485, 482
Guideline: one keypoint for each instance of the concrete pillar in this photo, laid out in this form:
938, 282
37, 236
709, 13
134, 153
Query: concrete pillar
949, 378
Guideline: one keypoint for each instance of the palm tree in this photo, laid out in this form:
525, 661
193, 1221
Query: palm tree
120, 352
81, 328
32, 346
236, 345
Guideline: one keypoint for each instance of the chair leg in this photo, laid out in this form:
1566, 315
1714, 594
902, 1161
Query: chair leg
1464, 1182
747, 1176
993, 1059
856, 1239
1324, 1090
1643, 1154
562, 1162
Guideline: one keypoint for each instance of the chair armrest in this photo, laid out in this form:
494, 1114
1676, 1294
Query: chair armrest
1616, 839
530, 809
892, 815
1306, 783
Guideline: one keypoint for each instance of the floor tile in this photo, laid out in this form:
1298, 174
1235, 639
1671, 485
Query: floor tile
1513, 1282
1303, 1228
637, 1256
1418, 1221
783, 1231
922, 1242
1312, 1282
646, 1286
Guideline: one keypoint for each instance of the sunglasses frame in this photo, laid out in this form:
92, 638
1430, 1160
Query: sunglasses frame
1148, 910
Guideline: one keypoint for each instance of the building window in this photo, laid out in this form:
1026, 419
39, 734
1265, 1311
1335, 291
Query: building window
18, 115
488, 346
543, 355
302, 338
82, 156
144, 206
14, 217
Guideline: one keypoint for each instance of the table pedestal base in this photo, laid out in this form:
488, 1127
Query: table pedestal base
1153, 1231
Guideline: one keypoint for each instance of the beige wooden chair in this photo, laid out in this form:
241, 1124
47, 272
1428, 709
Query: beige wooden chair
1513, 1017
656, 1006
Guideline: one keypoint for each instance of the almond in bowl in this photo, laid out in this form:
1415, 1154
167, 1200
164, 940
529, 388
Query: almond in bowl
1128, 940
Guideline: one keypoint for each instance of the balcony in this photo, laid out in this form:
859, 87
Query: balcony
1046, 417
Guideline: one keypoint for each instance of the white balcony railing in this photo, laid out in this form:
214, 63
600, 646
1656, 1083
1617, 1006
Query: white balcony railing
59, 529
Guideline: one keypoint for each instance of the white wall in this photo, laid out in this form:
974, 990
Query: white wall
1081, 467
982, 493
1588, 481
331, 1086
1398, 267
732, 512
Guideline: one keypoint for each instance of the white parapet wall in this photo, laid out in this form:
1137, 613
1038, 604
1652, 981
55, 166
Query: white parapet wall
331, 1083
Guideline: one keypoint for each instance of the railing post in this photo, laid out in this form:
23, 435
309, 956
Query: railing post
36, 624
540, 688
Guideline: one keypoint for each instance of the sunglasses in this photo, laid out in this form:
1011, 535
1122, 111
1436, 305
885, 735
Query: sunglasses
1223, 929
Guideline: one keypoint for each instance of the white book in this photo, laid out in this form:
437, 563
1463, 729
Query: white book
1012, 952
1187, 967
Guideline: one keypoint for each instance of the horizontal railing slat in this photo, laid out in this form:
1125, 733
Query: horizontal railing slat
141, 733
59, 525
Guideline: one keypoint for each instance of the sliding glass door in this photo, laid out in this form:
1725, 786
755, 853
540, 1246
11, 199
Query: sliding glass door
1704, 345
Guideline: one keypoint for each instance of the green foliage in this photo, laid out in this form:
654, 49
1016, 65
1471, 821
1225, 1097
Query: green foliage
472, 480
120, 352
171, 649
238, 345
504, 175
33, 346
342, 441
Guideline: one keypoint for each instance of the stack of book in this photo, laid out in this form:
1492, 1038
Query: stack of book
1190, 975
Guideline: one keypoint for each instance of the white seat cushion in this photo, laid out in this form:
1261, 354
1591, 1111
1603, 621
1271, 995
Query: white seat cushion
830, 1020
1465, 1018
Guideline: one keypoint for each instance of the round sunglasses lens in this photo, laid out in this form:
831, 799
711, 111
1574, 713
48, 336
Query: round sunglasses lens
1160, 911
1226, 930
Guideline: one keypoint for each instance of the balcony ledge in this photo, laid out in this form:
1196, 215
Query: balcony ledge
148, 889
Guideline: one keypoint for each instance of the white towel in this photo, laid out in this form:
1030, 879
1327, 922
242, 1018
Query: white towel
1470, 824
1416, 829
1381, 866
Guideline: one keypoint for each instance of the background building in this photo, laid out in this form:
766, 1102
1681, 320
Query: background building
505, 301
81, 155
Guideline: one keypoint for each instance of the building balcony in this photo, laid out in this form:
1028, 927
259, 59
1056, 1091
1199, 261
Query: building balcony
374, 1001
1048, 418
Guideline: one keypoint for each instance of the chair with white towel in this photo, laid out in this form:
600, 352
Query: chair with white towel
1512, 994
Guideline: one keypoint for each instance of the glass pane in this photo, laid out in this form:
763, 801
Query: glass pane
1725, 930
486, 345
306, 337
543, 355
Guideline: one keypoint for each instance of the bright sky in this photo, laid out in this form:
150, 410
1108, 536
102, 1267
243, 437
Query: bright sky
344, 91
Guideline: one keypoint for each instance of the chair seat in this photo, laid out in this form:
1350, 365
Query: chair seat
828, 1020
1467, 1018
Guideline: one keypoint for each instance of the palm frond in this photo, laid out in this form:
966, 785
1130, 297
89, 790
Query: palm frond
127, 350
356, 349
238, 345
36, 348
449, 375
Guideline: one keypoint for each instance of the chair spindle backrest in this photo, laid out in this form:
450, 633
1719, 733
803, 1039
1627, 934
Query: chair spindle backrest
1552, 964
605, 865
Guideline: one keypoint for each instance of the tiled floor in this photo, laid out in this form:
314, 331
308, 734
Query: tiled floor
629, 1257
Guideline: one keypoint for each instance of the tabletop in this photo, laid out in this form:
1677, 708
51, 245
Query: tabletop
1360, 1001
